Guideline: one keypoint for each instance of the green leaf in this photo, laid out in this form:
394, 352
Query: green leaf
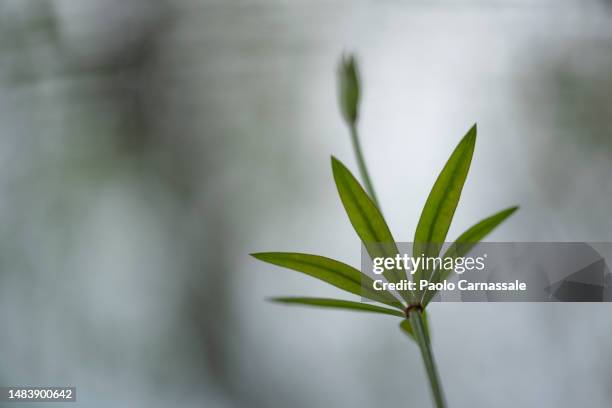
477, 232
333, 272
338, 304
406, 327
442, 202
363, 213
467, 241
444, 196
366, 219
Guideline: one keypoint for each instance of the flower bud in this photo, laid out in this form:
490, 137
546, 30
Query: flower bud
348, 81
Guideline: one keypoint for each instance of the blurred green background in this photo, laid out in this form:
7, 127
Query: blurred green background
147, 146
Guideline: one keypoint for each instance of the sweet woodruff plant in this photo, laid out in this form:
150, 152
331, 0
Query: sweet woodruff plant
364, 213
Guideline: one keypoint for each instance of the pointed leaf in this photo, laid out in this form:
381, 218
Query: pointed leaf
477, 232
338, 304
406, 327
366, 219
467, 241
333, 272
444, 196
442, 202
361, 210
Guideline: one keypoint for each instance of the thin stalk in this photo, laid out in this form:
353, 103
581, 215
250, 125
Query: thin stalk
363, 169
416, 320
416, 317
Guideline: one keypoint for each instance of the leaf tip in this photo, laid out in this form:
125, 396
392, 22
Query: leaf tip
512, 210
335, 162
509, 211
337, 165
471, 134
259, 255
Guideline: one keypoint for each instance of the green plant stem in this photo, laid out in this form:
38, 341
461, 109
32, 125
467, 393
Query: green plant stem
363, 169
416, 317
422, 339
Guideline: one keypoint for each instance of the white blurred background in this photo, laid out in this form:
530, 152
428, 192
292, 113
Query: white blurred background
147, 146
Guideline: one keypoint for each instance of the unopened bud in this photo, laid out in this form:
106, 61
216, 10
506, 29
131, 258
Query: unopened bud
348, 81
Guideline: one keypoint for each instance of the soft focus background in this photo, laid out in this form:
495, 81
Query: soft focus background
146, 147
